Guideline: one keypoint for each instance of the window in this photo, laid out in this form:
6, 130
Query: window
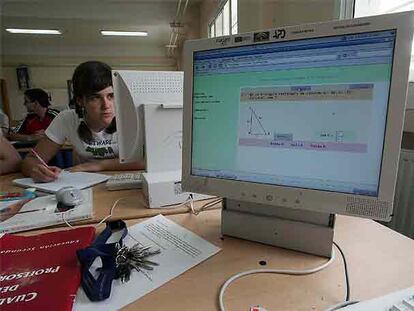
225, 22
377, 7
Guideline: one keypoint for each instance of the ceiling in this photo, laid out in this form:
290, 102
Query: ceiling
81, 22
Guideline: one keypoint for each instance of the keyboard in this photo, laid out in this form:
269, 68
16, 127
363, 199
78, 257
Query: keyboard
124, 181
402, 300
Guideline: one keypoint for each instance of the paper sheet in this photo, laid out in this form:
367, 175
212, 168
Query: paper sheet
40, 212
180, 250
80, 180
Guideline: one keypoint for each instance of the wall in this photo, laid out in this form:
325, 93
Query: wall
52, 59
208, 9
262, 14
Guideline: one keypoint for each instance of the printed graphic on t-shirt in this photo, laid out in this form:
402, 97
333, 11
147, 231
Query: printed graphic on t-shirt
100, 148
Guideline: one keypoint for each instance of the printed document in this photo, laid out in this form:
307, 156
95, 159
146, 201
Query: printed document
180, 250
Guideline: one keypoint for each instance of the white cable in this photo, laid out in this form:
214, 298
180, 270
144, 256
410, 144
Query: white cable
110, 212
178, 9
341, 305
279, 271
105, 218
192, 206
64, 219
208, 205
202, 208
185, 8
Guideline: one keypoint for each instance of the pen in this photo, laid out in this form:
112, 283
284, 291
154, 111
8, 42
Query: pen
39, 158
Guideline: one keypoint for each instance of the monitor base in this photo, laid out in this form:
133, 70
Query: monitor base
300, 230
163, 189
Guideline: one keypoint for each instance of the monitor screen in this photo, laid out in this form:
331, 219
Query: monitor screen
308, 113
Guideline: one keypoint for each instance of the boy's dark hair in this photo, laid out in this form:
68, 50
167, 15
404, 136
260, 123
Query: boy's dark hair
38, 95
89, 78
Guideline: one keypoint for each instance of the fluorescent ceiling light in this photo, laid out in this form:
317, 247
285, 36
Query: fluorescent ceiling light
124, 33
34, 31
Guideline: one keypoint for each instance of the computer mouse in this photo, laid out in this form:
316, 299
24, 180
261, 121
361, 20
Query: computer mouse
68, 198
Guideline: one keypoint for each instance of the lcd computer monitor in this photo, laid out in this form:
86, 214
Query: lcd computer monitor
132, 91
307, 118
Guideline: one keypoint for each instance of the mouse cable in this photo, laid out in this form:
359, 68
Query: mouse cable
347, 302
110, 212
346, 272
103, 220
204, 207
278, 271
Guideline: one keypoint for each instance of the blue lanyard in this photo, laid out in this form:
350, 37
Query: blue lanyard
98, 289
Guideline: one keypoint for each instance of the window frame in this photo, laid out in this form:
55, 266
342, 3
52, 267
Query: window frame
350, 5
212, 27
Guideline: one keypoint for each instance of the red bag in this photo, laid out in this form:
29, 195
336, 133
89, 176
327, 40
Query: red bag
41, 272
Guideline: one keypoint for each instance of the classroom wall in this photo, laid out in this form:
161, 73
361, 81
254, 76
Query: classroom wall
262, 14
52, 59
208, 10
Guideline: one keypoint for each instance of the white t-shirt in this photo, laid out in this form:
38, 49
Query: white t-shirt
65, 127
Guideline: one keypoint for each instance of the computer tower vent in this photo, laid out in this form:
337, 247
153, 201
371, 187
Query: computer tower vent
366, 207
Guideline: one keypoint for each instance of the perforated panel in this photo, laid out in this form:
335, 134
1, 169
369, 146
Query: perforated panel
132, 89
364, 207
156, 83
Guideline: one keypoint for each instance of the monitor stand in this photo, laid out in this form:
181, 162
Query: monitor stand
301, 230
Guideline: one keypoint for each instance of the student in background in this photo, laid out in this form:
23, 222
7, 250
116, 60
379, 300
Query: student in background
38, 118
9, 157
90, 128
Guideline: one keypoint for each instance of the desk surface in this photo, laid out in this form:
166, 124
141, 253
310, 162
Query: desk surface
131, 206
379, 261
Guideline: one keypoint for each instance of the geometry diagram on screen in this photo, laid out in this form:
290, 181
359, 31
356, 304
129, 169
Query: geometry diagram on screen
255, 125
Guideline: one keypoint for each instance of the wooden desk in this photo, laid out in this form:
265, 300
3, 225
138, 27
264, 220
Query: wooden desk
131, 206
379, 261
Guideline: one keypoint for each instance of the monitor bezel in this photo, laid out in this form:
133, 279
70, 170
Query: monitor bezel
316, 200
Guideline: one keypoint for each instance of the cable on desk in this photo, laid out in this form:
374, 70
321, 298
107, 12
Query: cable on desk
341, 305
346, 272
64, 219
103, 220
205, 206
110, 212
347, 302
278, 271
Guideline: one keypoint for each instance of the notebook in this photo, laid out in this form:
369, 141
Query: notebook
50, 278
80, 180
41, 212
